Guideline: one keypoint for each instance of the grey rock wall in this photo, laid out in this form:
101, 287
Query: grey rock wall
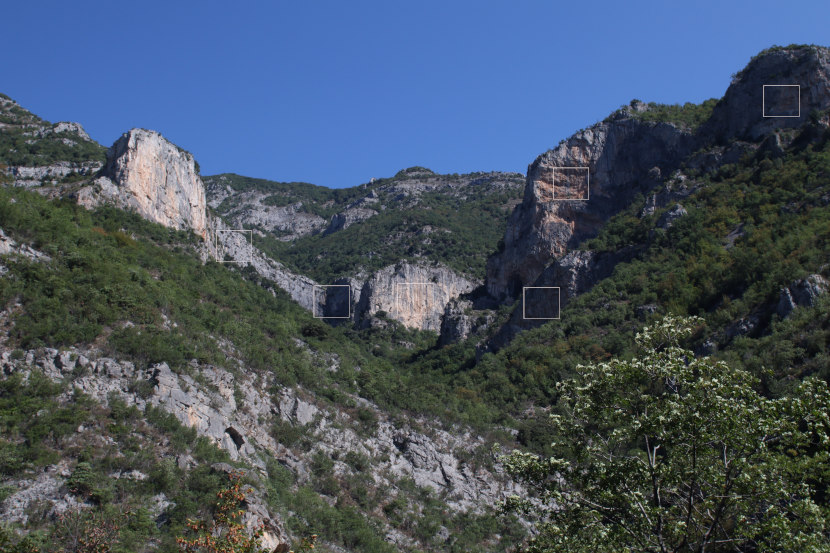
152, 176
623, 156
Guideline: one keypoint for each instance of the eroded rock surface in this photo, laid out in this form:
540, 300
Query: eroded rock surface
740, 114
804, 292
626, 155
415, 295
622, 156
238, 414
152, 176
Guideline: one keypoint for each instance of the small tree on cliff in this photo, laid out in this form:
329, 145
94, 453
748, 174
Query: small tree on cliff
226, 533
669, 453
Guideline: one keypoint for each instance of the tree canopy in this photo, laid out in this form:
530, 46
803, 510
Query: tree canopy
667, 452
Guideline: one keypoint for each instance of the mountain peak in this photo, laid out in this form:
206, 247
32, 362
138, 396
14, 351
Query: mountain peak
778, 89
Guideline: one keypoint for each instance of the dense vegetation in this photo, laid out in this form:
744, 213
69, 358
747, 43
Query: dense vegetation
666, 452
459, 224
114, 277
779, 206
688, 115
687, 269
115, 280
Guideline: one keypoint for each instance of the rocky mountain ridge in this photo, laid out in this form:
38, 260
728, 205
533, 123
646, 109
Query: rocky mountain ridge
623, 157
652, 170
148, 174
34, 151
628, 154
415, 295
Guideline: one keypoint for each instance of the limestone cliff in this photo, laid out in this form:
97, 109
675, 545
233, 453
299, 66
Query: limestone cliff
154, 177
627, 154
748, 110
622, 156
574, 273
415, 295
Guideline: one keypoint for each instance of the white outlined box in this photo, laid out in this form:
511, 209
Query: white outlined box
781, 100
544, 302
410, 293
573, 183
247, 238
324, 289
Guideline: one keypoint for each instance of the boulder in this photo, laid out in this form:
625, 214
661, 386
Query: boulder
801, 293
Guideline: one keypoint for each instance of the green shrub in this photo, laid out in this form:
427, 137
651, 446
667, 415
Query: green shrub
83, 480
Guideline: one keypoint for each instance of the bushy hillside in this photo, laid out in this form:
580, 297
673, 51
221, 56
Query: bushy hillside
753, 230
456, 220
28, 140
110, 282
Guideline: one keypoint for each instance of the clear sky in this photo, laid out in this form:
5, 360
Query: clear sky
335, 92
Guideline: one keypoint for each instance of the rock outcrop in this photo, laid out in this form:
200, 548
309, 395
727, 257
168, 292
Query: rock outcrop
238, 414
52, 174
236, 246
154, 177
69, 127
348, 217
668, 218
627, 155
248, 208
37, 163
415, 295
9, 247
741, 112
462, 320
621, 157
574, 273
804, 292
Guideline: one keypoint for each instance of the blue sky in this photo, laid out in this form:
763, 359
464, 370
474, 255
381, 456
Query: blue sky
334, 92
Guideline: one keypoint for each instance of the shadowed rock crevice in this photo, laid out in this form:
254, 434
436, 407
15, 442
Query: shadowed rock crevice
237, 438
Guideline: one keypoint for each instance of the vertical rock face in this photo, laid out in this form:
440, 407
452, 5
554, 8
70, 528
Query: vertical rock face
461, 320
414, 295
625, 155
803, 292
574, 273
740, 114
618, 158
147, 173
